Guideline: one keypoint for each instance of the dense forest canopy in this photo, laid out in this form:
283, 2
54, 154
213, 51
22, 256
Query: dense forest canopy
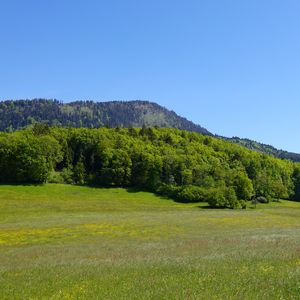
17, 114
186, 166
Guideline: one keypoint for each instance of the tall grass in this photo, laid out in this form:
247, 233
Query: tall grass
69, 242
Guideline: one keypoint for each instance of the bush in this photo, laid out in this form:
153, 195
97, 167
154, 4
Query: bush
192, 193
168, 190
243, 204
67, 175
262, 199
223, 197
55, 177
64, 176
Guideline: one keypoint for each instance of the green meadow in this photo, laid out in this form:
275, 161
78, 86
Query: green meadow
72, 242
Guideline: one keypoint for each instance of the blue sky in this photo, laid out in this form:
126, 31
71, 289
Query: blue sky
232, 66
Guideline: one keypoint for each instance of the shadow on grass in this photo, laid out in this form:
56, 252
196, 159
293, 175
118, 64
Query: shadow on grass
132, 190
21, 184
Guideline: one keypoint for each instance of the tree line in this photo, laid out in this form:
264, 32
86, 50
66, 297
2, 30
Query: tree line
185, 166
17, 114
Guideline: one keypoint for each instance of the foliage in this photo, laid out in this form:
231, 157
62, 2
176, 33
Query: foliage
186, 166
67, 175
79, 173
192, 194
40, 113
55, 177
17, 114
262, 199
223, 197
27, 158
263, 148
296, 181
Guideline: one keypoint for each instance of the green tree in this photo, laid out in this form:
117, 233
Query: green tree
79, 173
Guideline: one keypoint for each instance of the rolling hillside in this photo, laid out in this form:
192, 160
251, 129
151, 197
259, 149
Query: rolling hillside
263, 148
16, 114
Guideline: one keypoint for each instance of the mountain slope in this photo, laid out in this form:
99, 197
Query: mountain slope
263, 148
17, 114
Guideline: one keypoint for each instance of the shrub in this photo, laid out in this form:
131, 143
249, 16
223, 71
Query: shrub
67, 175
262, 199
243, 204
223, 197
168, 190
192, 193
55, 177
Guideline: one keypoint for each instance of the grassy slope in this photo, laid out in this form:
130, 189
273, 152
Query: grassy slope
68, 242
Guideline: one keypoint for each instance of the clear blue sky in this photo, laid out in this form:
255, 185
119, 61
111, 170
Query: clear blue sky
232, 66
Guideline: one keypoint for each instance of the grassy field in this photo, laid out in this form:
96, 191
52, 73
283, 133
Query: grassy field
69, 242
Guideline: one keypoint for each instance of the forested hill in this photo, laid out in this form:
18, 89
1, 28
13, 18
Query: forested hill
17, 114
265, 149
186, 166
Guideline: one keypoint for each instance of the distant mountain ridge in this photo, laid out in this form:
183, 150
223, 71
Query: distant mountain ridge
16, 114
263, 148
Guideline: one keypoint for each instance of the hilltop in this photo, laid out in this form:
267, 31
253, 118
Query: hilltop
20, 113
